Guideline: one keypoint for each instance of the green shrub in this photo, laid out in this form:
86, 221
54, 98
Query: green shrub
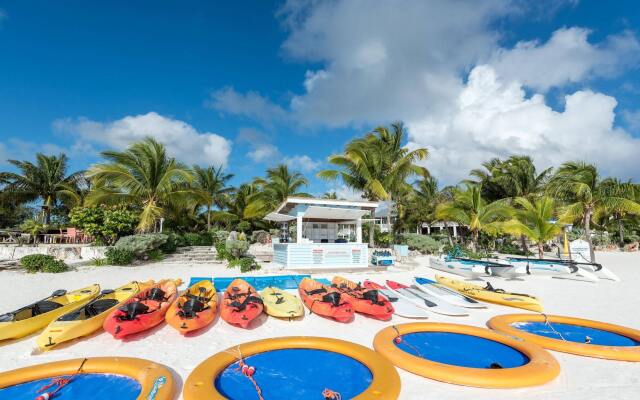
116, 256
105, 224
274, 232
243, 226
600, 239
383, 239
220, 236
198, 239
236, 248
140, 245
171, 245
99, 262
422, 243
43, 263
155, 255
261, 237
221, 251
246, 264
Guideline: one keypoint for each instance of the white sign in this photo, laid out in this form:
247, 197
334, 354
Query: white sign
580, 248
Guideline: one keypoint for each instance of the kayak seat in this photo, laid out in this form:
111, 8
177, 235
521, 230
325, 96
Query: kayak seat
316, 291
333, 298
191, 308
99, 306
132, 310
44, 306
372, 296
156, 294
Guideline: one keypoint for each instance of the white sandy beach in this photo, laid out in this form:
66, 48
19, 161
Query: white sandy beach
581, 378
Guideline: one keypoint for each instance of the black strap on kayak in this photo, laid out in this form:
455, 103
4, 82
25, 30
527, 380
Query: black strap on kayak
132, 310
490, 288
316, 291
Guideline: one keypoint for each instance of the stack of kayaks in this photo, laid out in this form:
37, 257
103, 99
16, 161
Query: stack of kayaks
88, 318
281, 304
194, 309
241, 303
363, 300
33, 317
325, 300
426, 300
143, 311
401, 306
492, 295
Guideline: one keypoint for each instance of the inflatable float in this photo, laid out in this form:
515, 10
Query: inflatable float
294, 368
578, 336
466, 355
102, 378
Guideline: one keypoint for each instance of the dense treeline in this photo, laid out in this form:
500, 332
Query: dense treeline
506, 198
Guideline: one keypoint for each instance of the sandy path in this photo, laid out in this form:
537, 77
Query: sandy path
581, 378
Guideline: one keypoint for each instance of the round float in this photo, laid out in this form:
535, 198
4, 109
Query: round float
572, 335
466, 355
101, 378
294, 368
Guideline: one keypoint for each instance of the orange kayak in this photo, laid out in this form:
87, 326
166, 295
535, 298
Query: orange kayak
325, 300
363, 300
144, 311
241, 303
194, 309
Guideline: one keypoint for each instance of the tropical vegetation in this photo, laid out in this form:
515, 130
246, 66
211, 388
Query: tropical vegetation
506, 204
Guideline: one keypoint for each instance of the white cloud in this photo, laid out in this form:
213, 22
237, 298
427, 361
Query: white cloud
494, 118
250, 104
264, 153
303, 163
182, 140
567, 57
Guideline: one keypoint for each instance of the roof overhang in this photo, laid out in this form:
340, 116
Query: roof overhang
292, 202
334, 213
276, 217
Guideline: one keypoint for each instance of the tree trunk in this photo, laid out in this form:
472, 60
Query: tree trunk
621, 232
372, 226
587, 232
523, 243
446, 228
389, 217
474, 240
540, 250
208, 217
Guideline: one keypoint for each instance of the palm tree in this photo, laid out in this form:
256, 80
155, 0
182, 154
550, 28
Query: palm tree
378, 165
144, 175
46, 180
469, 208
578, 183
535, 220
330, 195
279, 184
211, 185
617, 211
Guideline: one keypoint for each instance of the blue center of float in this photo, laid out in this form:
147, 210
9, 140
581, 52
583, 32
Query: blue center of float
81, 387
461, 350
576, 333
295, 374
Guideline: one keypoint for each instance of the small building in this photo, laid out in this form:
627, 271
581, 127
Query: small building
328, 233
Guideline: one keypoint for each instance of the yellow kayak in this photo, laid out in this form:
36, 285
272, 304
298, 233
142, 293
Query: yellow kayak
32, 318
491, 295
87, 318
281, 304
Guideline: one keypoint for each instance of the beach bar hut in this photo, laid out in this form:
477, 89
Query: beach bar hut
328, 233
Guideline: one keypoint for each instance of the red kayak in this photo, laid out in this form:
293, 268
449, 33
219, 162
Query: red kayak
365, 301
241, 303
325, 300
144, 311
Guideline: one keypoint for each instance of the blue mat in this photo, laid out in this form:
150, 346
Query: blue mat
576, 333
295, 374
259, 282
82, 387
461, 350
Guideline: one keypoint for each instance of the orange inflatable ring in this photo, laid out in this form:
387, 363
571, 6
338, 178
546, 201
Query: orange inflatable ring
504, 323
385, 382
541, 368
155, 380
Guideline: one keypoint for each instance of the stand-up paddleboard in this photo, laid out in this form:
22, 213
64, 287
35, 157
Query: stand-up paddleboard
444, 293
454, 266
401, 306
425, 300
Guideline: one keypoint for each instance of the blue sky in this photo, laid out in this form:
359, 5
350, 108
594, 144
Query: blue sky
253, 83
